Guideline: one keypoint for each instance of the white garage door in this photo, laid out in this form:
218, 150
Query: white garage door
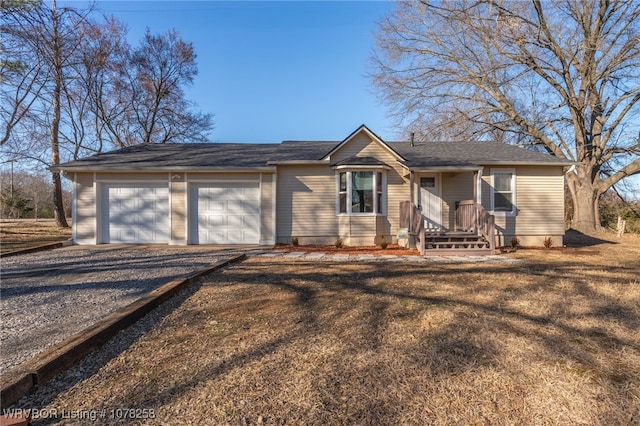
135, 214
225, 213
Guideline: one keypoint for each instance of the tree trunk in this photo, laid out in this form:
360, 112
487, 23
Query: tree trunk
585, 196
58, 206
586, 219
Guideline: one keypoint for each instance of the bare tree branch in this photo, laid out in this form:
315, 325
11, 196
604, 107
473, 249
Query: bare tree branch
560, 74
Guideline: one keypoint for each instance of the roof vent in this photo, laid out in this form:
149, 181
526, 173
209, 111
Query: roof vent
413, 136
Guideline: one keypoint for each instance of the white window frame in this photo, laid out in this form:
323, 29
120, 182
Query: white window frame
514, 209
378, 210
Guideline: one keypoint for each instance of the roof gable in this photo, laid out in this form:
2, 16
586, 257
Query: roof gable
371, 135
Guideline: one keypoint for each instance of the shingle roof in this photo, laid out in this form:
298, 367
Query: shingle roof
360, 161
302, 151
245, 155
155, 156
431, 154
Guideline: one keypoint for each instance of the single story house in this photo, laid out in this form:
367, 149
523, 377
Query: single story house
358, 189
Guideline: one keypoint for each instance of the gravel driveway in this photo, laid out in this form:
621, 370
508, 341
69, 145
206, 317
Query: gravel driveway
48, 296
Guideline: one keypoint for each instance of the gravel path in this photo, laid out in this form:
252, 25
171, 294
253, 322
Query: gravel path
48, 296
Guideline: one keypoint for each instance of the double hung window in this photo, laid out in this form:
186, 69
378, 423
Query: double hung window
503, 192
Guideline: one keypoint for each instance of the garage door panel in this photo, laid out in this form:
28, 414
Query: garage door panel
251, 235
216, 221
225, 213
214, 207
147, 219
235, 222
124, 235
214, 235
124, 204
250, 208
146, 235
252, 222
235, 207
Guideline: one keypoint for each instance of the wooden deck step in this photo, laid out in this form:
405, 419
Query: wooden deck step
458, 242
459, 252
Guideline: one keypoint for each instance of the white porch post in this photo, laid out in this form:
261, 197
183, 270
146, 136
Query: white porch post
411, 194
475, 185
478, 186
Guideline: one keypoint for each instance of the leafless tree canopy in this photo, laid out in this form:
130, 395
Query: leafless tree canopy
157, 72
136, 95
70, 85
561, 75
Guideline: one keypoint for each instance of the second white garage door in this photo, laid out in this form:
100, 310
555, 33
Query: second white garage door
225, 213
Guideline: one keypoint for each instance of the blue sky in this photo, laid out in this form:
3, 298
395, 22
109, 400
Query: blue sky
273, 71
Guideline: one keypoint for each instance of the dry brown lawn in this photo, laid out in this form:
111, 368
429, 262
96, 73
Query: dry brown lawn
27, 233
552, 341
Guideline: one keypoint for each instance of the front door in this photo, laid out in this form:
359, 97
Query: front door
431, 202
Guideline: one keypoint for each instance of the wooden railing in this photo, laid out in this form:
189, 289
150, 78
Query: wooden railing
412, 219
472, 217
466, 216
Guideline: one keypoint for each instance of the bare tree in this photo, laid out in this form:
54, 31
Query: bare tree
71, 85
158, 71
91, 98
50, 39
137, 95
36, 190
102, 79
561, 75
20, 73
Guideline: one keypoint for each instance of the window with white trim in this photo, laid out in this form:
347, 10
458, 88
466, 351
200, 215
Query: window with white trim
361, 192
503, 191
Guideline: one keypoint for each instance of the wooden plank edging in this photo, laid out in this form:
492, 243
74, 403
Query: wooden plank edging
44, 366
35, 249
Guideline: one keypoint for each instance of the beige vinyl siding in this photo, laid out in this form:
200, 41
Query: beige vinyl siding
237, 176
398, 190
540, 200
178, 209
384, 227
85, 223
132, 177
358, 230
306, 204
539, 203
363, 146
455, 187
485, 188
266, 209
360, 226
